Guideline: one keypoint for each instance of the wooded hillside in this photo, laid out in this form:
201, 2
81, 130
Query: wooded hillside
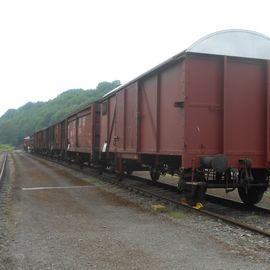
22, 122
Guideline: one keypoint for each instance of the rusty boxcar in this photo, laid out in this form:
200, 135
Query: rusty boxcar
39, 138
83, 134
204, 114
56, 139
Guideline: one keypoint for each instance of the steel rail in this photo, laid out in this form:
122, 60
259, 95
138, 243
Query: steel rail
202, 211
208, 197
3, 166
205, 212
235, 204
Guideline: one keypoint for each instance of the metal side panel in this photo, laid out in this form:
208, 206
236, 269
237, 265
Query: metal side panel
268, 110
245, 106
131, 118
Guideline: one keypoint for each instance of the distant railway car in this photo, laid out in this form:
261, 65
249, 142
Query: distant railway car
39, 141
204, 113
83, 135
60, 138
27, 144
56, 139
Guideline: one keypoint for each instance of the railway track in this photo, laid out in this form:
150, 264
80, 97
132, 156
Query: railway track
255, 219
3, 165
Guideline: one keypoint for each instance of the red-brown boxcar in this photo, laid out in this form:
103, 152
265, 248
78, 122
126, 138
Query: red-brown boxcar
56, 139
83, 134
205, 114
39, 141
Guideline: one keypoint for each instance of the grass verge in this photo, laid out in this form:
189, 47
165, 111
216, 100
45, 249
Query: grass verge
6, 147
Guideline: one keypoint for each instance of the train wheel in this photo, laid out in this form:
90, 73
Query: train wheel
155, 173
250, 196
254, 195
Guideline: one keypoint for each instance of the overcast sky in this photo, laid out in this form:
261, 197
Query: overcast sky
49, 46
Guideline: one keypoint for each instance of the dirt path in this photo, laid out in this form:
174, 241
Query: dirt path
55, 220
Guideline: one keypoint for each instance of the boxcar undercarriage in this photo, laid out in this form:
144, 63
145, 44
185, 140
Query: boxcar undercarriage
213, 172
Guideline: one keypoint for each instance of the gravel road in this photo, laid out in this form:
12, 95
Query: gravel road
54, 218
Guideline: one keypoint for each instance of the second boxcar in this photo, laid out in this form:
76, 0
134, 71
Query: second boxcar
83, 135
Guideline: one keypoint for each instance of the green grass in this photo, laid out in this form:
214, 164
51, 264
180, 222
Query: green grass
6, 147
90, 180
177, 214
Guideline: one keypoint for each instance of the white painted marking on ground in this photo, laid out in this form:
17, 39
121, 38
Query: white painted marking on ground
46, 188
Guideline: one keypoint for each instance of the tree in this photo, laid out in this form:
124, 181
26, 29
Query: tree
17, 124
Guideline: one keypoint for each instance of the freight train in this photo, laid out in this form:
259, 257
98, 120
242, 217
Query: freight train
203, 115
